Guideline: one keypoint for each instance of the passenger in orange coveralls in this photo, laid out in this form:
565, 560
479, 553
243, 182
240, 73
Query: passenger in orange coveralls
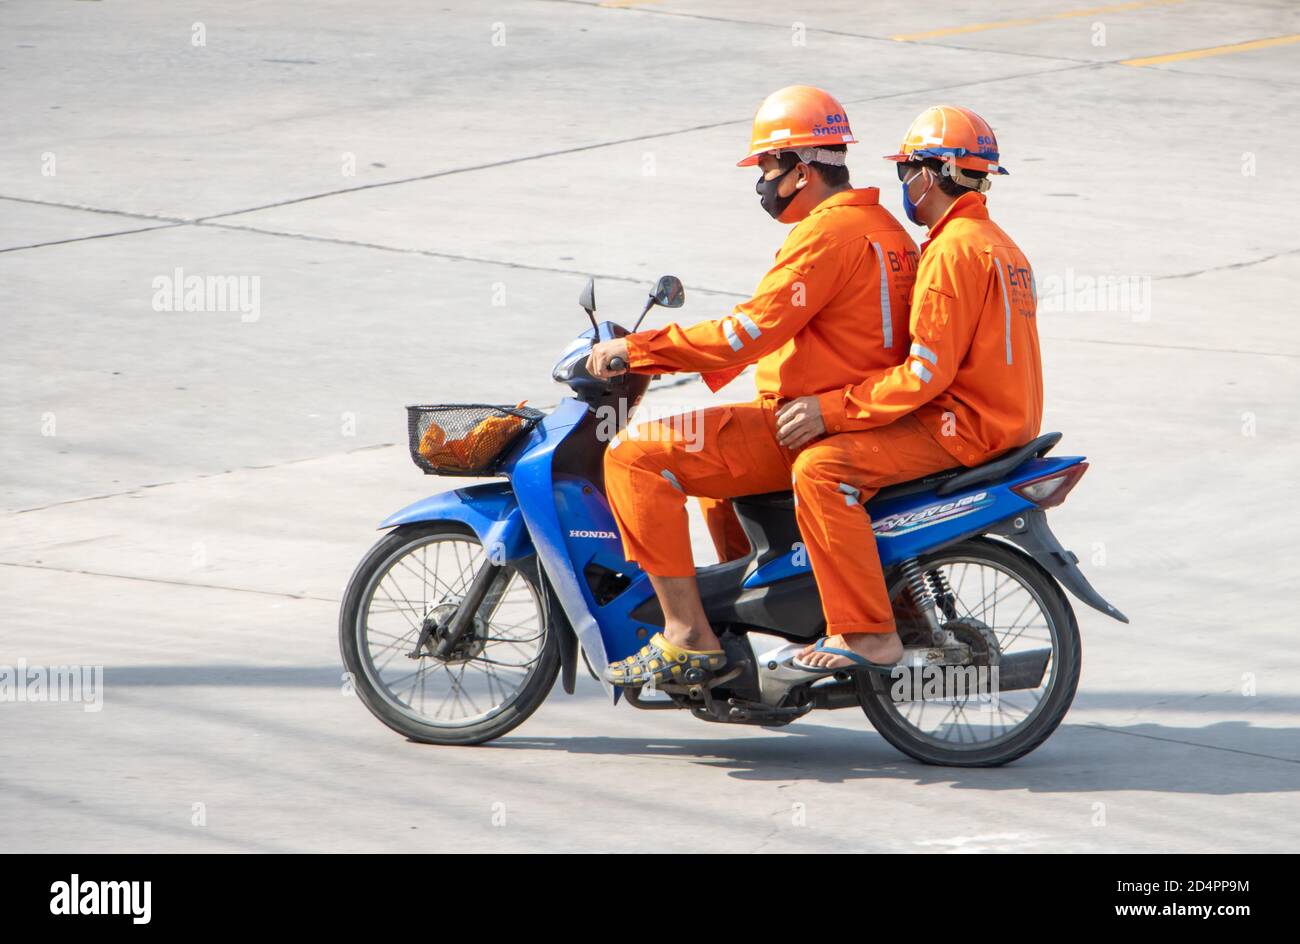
973, 379
829, 314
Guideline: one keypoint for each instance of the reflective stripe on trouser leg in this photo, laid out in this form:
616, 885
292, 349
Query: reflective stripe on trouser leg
842, 550
650, 509
730, 450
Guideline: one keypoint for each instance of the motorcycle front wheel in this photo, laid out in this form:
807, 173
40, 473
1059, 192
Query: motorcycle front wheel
407, 586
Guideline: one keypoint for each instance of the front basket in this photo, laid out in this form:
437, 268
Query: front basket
465, 438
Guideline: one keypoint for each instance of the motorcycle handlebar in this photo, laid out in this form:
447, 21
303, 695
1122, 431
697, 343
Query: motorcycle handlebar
617, 363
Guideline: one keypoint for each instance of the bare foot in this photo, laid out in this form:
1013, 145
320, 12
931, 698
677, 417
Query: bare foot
881, 648
686, 636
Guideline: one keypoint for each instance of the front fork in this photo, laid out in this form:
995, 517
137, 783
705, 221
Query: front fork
486, 588
484, 594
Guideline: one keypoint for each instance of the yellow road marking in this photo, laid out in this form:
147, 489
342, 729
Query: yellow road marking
1030, 21
1213, 51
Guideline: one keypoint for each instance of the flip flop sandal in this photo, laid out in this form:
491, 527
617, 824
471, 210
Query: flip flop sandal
858, 661
662, 661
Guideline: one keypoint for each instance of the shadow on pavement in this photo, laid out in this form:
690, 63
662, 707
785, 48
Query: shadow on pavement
1230, 757
1223, 757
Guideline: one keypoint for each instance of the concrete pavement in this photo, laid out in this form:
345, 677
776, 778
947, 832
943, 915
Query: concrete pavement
419, 195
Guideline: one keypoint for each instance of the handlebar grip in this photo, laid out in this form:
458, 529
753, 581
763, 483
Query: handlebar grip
617, 363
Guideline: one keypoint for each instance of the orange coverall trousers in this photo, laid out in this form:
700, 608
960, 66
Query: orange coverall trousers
727, 451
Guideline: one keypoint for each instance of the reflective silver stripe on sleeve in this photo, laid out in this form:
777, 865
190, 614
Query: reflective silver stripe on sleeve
1006, 304
732, 338
921, 371
920, 350
672, 478
747, 323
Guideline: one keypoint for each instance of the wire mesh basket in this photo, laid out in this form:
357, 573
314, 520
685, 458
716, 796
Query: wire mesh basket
466, 438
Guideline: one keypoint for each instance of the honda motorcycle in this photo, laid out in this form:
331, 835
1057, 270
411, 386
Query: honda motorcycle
456, 624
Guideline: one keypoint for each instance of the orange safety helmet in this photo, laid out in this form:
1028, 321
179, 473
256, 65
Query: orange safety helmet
954, 134
799, 118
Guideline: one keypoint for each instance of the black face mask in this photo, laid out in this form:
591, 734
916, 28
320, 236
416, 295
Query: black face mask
772, 201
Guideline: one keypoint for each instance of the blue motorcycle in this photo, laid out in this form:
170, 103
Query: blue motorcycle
455, 626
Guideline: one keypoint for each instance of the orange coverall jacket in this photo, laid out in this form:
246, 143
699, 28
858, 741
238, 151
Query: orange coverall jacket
832, 309
973, 375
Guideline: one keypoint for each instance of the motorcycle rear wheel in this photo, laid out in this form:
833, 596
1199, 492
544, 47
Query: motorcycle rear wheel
498, 675
970, 734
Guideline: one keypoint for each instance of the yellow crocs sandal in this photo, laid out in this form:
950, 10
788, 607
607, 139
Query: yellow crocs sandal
662, 661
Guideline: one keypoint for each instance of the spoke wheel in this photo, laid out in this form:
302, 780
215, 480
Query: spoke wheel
1002, 611
398, 606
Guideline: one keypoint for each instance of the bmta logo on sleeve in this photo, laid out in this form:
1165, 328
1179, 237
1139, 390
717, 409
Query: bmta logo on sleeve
76, 897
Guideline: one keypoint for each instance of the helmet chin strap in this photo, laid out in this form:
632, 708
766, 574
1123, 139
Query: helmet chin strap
814, 155
978, 184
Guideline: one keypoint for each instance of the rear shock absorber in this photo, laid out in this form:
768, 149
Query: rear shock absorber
943, 593
922, 597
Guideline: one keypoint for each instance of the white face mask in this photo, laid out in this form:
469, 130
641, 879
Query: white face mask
908, 206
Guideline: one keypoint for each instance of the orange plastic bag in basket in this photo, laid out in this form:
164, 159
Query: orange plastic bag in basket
473, 450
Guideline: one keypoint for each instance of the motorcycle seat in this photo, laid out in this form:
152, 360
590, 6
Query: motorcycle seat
946, 482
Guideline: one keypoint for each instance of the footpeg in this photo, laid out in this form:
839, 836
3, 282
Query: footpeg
698, 684
744, 712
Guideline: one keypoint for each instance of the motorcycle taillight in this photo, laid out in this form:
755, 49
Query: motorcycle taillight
1049, 491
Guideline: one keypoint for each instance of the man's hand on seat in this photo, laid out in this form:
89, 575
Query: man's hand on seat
799, 421
600, 356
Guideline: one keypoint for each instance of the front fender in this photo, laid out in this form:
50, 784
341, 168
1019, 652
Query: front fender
490, 510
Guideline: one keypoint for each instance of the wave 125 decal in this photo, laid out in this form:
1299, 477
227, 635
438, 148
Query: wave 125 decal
893, 525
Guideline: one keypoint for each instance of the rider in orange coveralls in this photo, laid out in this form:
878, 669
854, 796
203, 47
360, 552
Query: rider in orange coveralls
828, 314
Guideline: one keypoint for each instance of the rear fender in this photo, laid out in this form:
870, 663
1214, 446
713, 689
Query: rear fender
1029, 531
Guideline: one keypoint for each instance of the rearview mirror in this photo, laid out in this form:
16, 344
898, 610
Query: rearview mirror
670, 293
587, 297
